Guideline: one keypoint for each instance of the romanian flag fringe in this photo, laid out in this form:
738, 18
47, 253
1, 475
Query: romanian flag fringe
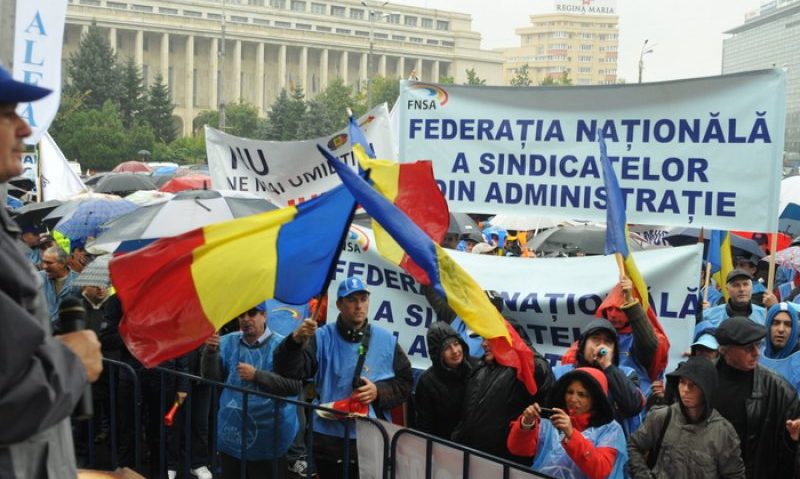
177, 292
720, 257
446, 277
617, 242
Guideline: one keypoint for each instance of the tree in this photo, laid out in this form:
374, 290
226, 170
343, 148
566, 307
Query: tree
207, 117
446, 80
158, 112
521, 77
385, 90
548, 81
327, 112
285, 115
473, 78
132, 101
93, 70
565, 80
241, 119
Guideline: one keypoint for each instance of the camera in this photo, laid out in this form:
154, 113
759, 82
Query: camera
546, 412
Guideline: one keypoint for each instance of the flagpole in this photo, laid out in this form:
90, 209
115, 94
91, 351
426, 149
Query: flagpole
39, 192
772, 247
707, 281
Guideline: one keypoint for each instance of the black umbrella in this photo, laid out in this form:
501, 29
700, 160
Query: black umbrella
26, 184
687, 236
33, 213
462, 224
124, 184
94, 179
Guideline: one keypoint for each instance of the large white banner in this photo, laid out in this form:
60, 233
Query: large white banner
550, 297
59, 181
38, 37
289, 172
700, 152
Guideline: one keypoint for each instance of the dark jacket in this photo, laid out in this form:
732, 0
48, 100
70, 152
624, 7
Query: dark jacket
41, 380
767, 449
440, 390
494, 398
706, 448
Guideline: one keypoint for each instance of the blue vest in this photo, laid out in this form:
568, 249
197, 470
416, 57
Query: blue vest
552, 459
52, 298
718, 314
629, 424
788, 367
264, 441
336, 359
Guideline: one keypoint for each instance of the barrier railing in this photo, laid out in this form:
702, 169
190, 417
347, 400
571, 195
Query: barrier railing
473, 463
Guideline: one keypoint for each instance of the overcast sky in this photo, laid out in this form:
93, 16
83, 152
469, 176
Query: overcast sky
686, 34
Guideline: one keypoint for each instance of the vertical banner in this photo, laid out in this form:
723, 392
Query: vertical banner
38, 37
59, 181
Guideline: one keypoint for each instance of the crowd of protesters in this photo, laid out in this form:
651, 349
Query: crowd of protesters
609, 410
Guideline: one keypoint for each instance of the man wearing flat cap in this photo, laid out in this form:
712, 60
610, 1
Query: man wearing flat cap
762, 406
41, 377
740, 293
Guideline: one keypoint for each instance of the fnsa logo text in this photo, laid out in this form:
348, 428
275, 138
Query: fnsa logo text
421, 104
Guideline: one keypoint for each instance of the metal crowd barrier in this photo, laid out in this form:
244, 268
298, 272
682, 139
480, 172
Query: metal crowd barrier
388, 469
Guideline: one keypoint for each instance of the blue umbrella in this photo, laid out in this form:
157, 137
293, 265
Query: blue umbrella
87, 218
165, 170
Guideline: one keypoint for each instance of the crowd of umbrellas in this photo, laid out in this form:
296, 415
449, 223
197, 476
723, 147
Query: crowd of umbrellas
136, 204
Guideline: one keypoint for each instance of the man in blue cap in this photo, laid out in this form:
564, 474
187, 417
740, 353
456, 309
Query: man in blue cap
740, 292
41, 377
355, 364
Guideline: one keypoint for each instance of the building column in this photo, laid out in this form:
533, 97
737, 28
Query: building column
213, 54
112, 38
363, 70
237, 71
84, 30
418, 68
282, 67
435, 73
188, 93
260, 78
139, 48
343, 66
165, 57
382, 66
304, 71
323, 69
401, 68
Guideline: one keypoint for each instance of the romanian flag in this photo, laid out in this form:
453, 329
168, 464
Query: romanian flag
720, 257
617, 243
357, 137
446, 277
410, 187
177, 292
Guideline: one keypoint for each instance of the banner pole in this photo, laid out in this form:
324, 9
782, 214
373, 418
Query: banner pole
39, 192
707, 281
772, 247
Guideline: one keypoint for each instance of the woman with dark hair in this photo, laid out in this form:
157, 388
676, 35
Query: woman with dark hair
579, 437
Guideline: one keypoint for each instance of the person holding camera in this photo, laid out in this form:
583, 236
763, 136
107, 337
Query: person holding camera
578, 437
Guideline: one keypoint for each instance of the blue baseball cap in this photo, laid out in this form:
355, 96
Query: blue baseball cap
262, 307
12, 91
351, 285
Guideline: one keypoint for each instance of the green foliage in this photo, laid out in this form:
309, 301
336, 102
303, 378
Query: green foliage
93, 70
565, 80
241, 119
158, 111
446, 80
285, 115
521, 77
473, 78
385, 90
133, 96
548, 81
206, 117
328, 111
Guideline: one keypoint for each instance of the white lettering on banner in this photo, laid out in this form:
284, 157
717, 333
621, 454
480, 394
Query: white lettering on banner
38, 37
290, 172
551, 297
694, 152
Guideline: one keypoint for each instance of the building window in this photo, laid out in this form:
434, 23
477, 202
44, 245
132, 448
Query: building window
343, 31
192, 13
586, 47
587, 36
91, 3
381, 36
298, 6
168, 11
117, 5
141, 8
238, 19
356, 13
399, 38
319, 8
323, 29
448, 43
337, 11
432, 42
427, 23
277, 3
302, 26
213, 16
415, 40
442, 25
283, 24
585, 70
393, 18
362, 33
585, 59
261, 21
411, 21
257, 3
145, 42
